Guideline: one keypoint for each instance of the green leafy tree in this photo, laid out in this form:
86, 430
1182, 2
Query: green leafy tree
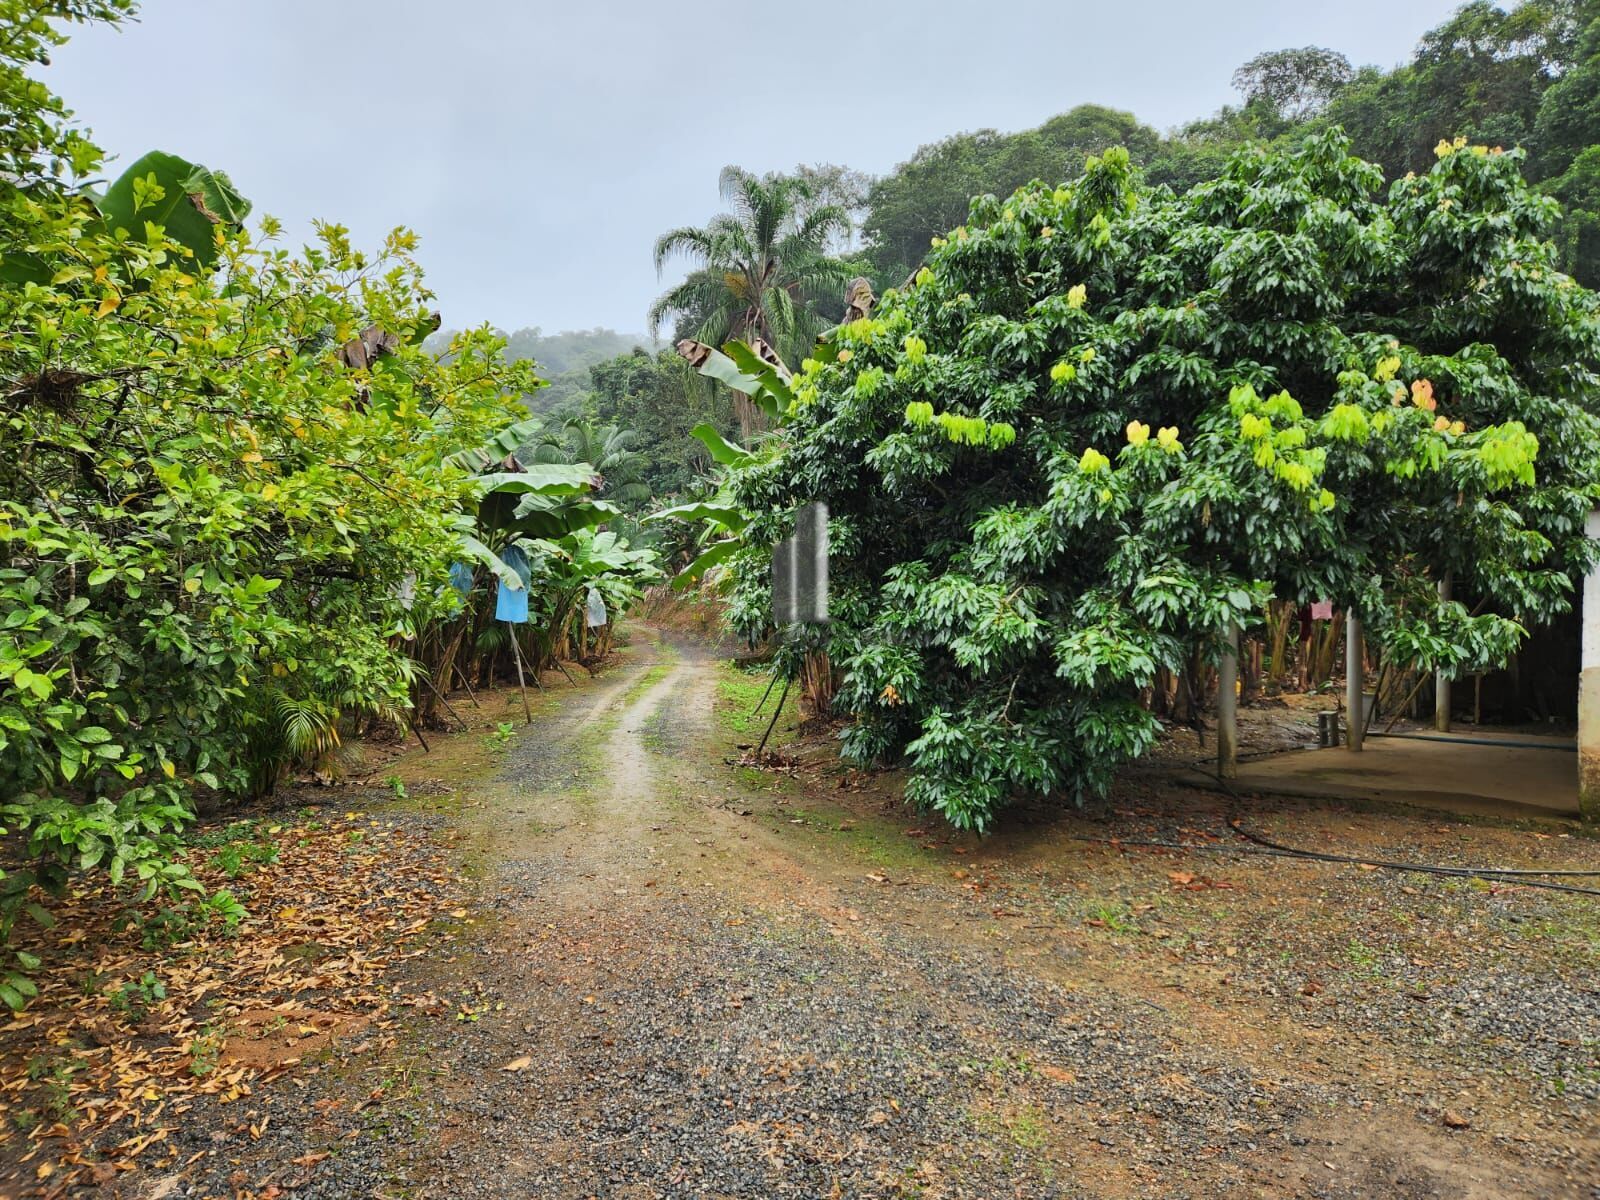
929, 194
1294, 83
226, 466
1105, 423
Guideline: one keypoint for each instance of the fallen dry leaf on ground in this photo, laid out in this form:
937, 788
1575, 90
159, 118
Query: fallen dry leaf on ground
146, 1010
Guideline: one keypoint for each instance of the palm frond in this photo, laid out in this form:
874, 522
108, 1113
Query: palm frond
691, 242
306, 727
780, 312
819, 225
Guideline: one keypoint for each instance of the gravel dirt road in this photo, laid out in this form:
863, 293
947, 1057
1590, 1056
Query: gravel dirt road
682, 978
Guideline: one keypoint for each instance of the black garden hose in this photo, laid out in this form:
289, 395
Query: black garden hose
1522, 877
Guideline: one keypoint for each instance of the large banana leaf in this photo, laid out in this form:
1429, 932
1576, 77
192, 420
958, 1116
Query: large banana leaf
716, 553
542, 501
724, 370
475, 551
607, 552
730, 518
774, 394
722, 450
193, 202
742, 369
554, 517
543, 479
507, 442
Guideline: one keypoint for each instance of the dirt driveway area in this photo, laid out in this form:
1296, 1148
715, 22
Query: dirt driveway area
676, 976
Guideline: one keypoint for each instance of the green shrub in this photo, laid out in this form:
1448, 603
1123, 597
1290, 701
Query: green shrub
226, 466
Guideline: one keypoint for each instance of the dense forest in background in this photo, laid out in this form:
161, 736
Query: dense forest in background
1525, 77
775, 266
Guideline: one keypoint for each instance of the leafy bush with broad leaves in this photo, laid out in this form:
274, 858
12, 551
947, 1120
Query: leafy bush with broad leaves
1105, 422
213, 506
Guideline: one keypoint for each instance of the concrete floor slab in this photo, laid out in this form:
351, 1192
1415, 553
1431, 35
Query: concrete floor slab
1518, 779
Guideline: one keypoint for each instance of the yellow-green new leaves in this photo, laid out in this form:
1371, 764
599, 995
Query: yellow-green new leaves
975, 431
1346, 423
1282, 450
964, 431
1507, 453
869, 381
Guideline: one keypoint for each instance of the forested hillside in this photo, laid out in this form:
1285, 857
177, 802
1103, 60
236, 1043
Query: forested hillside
775, 264
1527, 76
563, 358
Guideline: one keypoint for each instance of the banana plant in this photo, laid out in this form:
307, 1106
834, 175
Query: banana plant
753, 371
584, 559
766, 382
549, 513
517, 501
545, 501
500, 450
190, 202
187, 200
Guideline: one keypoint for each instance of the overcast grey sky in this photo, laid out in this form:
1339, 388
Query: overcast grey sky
539, 148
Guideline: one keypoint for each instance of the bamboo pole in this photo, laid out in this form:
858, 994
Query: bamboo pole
516, 653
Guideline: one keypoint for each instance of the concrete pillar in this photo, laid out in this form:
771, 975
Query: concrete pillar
1354, 710
1441, 681
1589, 691
1228, 706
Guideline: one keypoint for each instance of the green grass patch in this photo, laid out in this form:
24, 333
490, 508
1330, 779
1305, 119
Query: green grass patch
739, 690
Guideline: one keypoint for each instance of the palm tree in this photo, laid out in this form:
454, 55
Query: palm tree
608, 449
759, 269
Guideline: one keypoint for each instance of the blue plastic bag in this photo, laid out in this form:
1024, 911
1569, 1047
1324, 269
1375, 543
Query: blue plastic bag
511, 604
